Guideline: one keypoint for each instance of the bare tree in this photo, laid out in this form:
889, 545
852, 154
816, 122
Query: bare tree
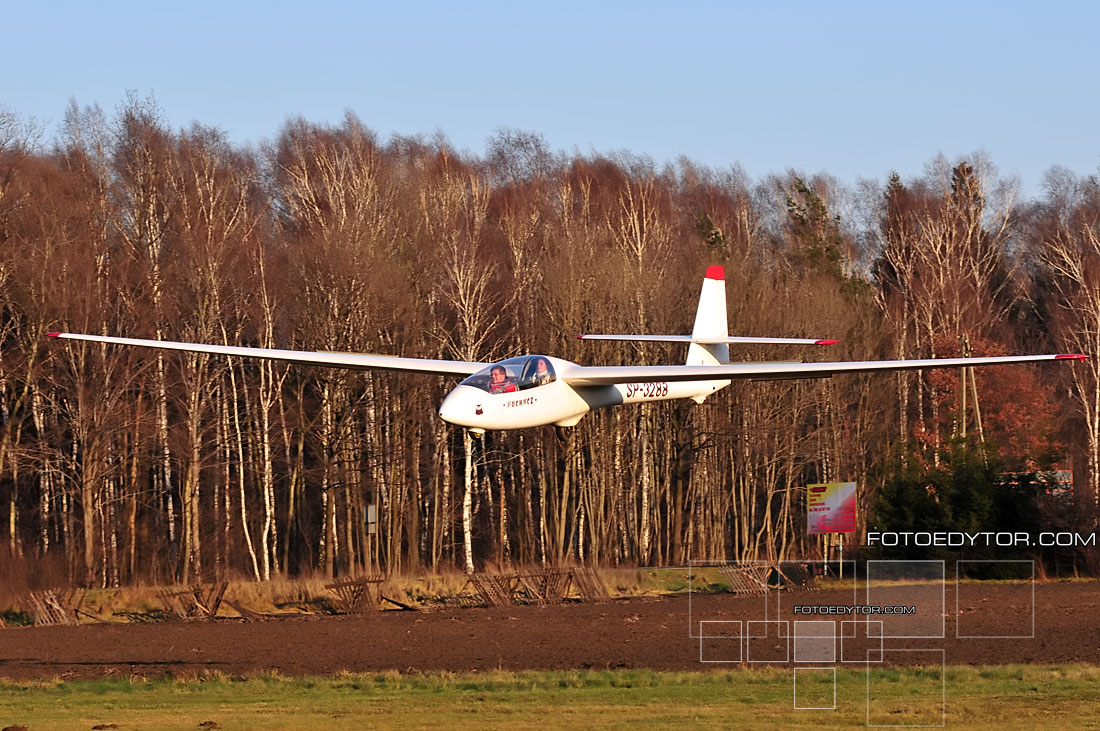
1071, 257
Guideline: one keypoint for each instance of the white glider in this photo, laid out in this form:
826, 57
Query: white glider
535, 390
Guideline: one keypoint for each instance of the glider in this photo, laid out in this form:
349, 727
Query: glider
535, 390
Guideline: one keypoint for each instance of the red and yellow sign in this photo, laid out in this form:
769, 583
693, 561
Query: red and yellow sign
831, 507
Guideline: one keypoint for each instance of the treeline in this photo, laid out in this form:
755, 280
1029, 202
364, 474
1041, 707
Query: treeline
120, 466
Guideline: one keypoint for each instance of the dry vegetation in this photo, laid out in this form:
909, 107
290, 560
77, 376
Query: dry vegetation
121, 467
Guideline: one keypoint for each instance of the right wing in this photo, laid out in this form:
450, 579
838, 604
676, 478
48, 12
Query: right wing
611, 375
354, 361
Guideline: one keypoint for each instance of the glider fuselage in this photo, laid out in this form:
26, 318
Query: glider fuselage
521, 399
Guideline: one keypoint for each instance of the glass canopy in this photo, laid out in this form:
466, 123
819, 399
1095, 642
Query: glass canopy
514, 374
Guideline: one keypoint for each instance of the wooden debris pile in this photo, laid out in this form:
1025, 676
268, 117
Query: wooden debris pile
540, 586
194, 602
54, 606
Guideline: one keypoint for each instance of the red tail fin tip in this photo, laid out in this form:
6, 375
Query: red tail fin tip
716, 273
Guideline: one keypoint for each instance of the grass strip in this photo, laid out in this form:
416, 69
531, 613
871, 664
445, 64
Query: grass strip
1003, 697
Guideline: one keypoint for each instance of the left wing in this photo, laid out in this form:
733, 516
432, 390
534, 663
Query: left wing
609, 375
354, 361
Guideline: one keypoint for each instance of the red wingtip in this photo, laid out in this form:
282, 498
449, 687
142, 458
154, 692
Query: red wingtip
718, 273
53, 335
826, 342
1071, 356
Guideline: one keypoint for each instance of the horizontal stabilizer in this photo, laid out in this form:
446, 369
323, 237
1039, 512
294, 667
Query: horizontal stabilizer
703, 340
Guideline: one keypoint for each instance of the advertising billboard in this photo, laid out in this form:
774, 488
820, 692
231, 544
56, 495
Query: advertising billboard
831, 507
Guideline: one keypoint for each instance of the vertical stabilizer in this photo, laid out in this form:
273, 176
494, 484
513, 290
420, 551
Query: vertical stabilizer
710, 321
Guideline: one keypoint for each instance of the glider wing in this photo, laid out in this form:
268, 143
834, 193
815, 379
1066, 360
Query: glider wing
609, 375
354, 361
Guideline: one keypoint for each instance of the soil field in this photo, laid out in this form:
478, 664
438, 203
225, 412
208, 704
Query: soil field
660, 633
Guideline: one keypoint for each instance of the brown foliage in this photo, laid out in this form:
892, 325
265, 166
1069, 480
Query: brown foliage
126, 467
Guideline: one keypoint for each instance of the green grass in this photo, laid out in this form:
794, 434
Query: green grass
1011, 697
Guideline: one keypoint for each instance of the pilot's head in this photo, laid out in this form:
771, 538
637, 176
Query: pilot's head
498, 374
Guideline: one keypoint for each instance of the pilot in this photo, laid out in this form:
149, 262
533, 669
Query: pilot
542, 372
499, 381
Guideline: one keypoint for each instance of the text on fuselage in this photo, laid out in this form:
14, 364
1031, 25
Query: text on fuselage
647, 390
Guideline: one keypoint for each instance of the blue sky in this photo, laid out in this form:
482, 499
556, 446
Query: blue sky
855, 89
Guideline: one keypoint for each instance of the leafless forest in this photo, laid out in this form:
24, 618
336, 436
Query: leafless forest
119, 467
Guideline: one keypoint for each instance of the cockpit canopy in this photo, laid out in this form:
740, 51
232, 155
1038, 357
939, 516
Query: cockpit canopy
514, 374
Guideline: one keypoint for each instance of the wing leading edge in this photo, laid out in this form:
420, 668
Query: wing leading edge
354, 361
609, 375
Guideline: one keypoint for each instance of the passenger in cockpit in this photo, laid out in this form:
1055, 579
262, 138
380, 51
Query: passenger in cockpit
499, 381
542, 372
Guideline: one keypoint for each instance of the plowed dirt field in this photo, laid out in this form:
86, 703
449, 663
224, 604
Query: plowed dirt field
991, 625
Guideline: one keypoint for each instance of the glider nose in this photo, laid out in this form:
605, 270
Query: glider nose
461, 407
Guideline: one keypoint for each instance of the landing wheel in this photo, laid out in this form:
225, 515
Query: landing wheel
476, 433
563, 433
